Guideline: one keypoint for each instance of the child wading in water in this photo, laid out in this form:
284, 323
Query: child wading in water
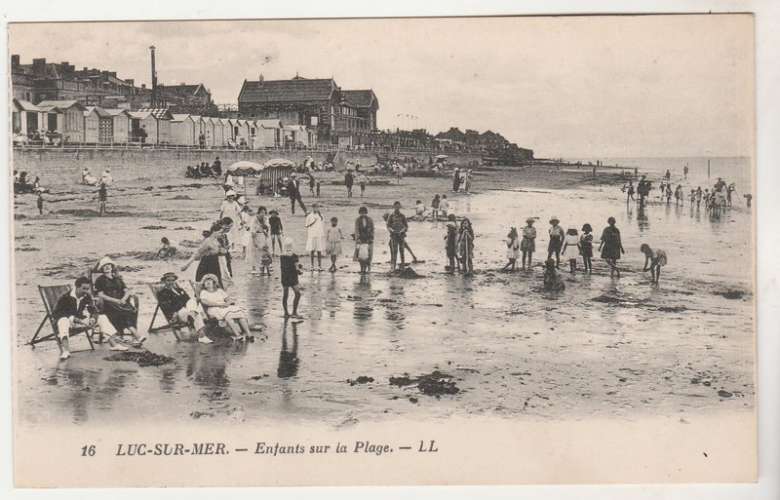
276, 231
570, 243
288, 263
528, 245
451, 245
552, 280
556, 241
435, 207
586, 247
512, 250
656, 259
333, 242
265, 261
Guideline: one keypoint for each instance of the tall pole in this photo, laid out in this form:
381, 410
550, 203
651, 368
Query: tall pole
154, 102
708, 169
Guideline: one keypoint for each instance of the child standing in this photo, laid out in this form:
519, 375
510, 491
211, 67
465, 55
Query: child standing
556, 241
276, 231
656, 259
466, 246
317, 187
528, 245
512, 249
572, 242
315, 233
435, 207
451, 245
39, 202
265, 261
288, 263
333, 242
362, 181
586, 247
444, 206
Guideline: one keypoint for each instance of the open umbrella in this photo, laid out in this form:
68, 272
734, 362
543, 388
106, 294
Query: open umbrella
441, 157
245, 168
279, 162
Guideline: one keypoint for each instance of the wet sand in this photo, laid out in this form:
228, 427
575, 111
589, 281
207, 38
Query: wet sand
501, 346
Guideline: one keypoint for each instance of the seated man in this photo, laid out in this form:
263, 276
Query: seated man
205, 170
76, 309
176, 304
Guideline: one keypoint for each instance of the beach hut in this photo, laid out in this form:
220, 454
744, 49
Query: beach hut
70, 118
208, 130
243, 136
296, 136
121, 120
98, 126
184, 131
268, 134
155, 122
25, 117
197, 120
223, 128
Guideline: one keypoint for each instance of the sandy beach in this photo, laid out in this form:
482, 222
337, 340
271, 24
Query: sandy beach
602, 348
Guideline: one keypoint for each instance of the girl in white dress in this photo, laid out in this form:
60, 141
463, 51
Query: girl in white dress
221, 306
315, 235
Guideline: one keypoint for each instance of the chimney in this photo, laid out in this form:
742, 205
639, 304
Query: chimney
39, 66
112, 74
84, 69
14, 61
143, 85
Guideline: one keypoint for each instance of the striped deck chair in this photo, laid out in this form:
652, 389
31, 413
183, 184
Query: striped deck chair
50, 295
172, 323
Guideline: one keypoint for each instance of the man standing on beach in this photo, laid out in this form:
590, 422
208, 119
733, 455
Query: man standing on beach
102, 197
349, 181
455, 180
397, 226
294, 192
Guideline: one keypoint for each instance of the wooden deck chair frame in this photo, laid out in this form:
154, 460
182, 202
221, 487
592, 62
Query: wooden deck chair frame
50, 295
171, 323
93, 275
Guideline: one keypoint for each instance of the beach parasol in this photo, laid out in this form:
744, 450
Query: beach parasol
441, 157
279, 162
245, 168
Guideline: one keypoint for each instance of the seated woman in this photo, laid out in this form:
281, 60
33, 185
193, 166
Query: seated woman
118, 304
219, 305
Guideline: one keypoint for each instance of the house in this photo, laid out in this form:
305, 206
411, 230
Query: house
121, 118
70, 118
184, 131
341, 117
268, 134
151, 125
98, 126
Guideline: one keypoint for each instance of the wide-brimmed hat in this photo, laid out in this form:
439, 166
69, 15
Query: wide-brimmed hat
169, 275
530, 220
554, 219
209, 276
230, 192
104, 262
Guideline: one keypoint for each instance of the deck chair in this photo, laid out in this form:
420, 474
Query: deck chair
172, 323
210, 321
50, 295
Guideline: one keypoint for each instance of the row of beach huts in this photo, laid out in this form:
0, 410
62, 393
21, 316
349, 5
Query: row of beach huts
68, 122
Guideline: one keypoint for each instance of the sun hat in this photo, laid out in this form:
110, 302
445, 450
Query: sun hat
169, 275
104, 262
229, 193
209, 276
556, 219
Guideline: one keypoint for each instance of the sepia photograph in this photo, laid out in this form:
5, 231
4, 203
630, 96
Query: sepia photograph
423, 248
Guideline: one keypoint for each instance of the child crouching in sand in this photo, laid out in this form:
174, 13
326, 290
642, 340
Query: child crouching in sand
552, 280
656, 259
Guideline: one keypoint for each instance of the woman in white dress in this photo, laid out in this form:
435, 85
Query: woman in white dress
219, 305
315, 235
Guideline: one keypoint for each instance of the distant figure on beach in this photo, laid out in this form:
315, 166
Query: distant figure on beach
290, 270
466, 246
333, 239
106, 177
294, 192
444, 207
528, 244
643, 189
315, 235
698, 197
730, 192
668, 193
451, 244
455, 180
39, 203
629, 190
586, 247
349, 180
259, 236
552, 280
219, 305
317, 188
176, 303
213, 255
167, 250
435, 207
419, 211
678, 195
685, 172
692, 198
364, 240
102, 198
656, 259
512, 250
216, 167
556, 241
87, 178
571, 244
668, 175
467, 181
312, 183
231, 209
76, 309
748, 199
397, 226
119, 304
362, 181
275, 224
611, 247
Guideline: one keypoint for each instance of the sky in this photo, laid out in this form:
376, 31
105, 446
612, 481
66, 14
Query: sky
613, 86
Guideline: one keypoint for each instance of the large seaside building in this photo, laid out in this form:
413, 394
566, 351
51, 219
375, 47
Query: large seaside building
343, 117
47, 81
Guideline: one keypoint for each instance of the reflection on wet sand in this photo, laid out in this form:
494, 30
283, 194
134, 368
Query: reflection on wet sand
363, 297
394, 305
288, 356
